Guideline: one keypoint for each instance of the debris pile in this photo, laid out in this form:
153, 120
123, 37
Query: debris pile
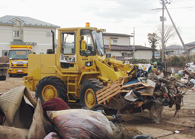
22, 117
25, 118
186, 76
152, 93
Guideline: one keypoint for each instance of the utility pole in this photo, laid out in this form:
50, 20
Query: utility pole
133, 42
162, 35
177, 32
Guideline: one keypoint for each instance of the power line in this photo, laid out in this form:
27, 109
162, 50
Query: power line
12, 4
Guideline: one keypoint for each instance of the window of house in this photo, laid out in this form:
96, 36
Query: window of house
124, 54
16, 33
129, 54
114, 41
4, 52
108, 55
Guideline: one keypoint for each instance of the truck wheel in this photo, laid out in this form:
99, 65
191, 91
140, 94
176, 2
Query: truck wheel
10, 75
51, 87
88, 92
2, 78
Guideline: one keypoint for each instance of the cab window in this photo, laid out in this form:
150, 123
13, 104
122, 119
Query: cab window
89, 48
68, 43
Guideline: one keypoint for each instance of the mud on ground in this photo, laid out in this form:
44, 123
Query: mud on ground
179, 127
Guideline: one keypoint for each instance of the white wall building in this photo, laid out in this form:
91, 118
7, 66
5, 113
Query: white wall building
174, 50
19, 30
123, 50
191, 47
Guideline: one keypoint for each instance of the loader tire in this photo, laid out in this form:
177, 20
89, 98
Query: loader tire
2, 78
88, 92
51, 87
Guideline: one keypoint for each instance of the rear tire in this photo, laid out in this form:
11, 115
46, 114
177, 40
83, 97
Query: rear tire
88, 92
2, 78
51, 87
10, 75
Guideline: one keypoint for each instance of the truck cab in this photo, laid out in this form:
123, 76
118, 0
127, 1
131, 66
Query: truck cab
18, 60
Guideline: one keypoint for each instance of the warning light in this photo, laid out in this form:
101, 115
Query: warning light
87, 24
83, 67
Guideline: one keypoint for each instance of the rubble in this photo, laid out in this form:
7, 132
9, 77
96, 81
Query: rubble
152, 93
186, 76
58, 120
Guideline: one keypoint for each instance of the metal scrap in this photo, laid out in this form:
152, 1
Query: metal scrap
152, 94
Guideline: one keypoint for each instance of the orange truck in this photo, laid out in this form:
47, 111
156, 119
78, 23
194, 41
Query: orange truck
18, 59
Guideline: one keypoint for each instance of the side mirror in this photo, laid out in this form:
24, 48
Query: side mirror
83, 45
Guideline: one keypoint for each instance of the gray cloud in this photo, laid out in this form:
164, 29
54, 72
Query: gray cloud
125, 9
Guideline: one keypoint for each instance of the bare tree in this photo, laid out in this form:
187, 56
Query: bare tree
169, 32
153, 41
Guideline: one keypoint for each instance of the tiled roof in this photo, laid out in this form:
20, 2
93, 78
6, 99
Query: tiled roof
127, 48
26, 21
192, 47
190, 44
117, 35
20, 42
174, 47
119, 48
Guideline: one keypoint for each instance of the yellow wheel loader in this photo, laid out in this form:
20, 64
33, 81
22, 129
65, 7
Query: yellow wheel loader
77, 68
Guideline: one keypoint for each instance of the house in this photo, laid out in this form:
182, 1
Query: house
21, 30
174, 50
123, 50
191, 47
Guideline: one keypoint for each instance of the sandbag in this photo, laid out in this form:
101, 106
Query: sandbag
81, 123
18, 107
40, 126
7, 132
54, 104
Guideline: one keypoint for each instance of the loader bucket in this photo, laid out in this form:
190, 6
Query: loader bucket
125, 97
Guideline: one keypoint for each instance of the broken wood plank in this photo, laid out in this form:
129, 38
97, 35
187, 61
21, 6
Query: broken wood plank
110, 92
101, 101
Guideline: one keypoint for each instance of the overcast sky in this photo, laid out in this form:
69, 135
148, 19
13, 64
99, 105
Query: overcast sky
116, 16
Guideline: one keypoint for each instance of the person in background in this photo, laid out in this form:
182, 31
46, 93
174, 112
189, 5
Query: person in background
152, 67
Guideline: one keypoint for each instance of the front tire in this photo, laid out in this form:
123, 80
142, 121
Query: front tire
51, 87
88, 92
2, 78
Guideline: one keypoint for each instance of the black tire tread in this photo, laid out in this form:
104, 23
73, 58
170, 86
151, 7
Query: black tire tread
2, 78
56, 80
90, 82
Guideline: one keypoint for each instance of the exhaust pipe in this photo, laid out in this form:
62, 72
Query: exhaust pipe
53, 41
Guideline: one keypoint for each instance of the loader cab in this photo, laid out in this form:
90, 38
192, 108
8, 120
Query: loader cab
91, 43
79, 45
